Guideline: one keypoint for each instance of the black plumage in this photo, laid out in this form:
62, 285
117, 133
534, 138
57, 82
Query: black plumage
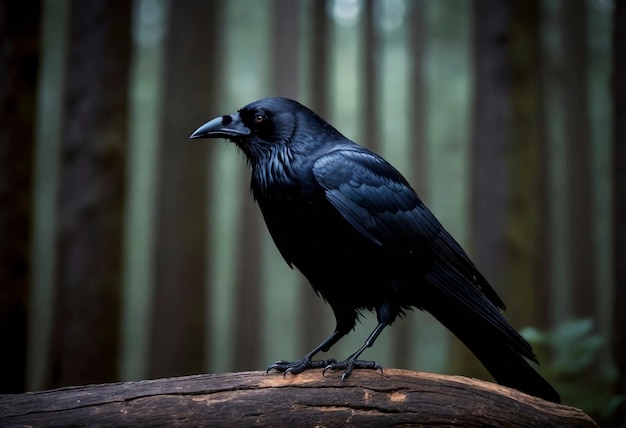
352, 224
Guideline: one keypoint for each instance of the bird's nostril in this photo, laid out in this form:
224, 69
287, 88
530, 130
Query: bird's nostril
226, 120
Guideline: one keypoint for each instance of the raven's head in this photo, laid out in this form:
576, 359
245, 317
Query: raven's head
261, 127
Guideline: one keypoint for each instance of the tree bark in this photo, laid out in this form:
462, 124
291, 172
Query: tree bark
492, 122
91, 194
189, 91
578, 163
284, 49
416, 34
504, 155
366, 399
619, 205
371, 79
19, 66
491, 136
518, 283
248, 283
543, 276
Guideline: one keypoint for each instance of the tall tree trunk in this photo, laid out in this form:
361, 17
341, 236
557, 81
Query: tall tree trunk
578, 147
417, 110
619, 204
542, 278
91, 194
492, 125
286, 28
319, 59
505, 156
248, 283
284, 79
19, 64
505, 134
491, 136
518, 284
371, 79
178, 330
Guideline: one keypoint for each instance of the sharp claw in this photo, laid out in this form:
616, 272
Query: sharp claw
286, 367
347, 373
276, 366
350, 365
330, 362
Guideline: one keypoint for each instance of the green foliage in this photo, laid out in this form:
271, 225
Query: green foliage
575, 361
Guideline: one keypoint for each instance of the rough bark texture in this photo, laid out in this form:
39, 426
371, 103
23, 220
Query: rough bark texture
397, 398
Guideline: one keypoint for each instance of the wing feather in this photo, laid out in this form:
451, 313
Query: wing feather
377, 201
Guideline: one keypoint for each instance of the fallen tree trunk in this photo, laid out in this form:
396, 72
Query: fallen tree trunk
396, 398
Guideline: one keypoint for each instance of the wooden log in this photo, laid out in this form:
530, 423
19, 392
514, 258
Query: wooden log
366, 399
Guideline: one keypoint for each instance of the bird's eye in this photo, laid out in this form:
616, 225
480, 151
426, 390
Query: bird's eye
259, 118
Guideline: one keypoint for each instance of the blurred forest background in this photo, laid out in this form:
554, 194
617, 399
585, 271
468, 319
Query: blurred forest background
129, 252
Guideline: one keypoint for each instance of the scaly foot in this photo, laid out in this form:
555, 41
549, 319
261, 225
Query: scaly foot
350, 364
299, 366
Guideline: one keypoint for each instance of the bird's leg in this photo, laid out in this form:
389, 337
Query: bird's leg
306, 362
352, 362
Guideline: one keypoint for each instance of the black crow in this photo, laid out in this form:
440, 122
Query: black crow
352, 224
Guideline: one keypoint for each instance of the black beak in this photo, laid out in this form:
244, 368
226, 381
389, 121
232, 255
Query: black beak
230, 127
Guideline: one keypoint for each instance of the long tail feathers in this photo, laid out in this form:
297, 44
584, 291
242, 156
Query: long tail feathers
494, 351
